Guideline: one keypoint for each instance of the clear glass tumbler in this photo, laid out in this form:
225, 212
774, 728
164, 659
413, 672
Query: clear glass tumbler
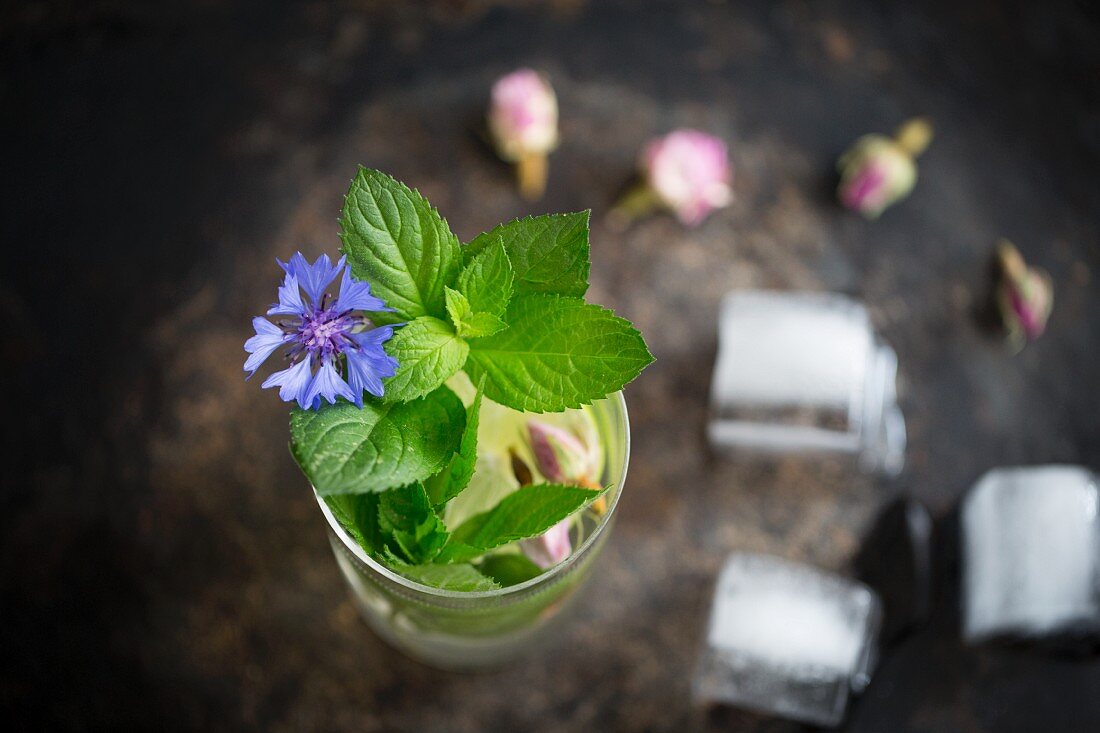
456, 630
805, 372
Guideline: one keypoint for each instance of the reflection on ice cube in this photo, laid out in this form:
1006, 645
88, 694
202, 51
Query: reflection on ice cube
805, 372
1031, 553
787, 639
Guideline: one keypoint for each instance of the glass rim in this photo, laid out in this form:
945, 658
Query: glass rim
411, 585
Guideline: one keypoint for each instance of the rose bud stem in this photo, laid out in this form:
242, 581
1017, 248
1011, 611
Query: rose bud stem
638, 201
599, 506
531, 172
914, 136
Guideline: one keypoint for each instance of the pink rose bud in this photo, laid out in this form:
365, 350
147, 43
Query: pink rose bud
559, 455
1025, 295
523, 121
878, 171
551, 547
689, 173
563, 458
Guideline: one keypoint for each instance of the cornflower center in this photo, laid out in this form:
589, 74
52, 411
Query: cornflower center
322, 333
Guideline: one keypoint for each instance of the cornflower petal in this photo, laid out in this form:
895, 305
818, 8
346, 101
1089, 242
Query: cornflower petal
290, 299
356, 295
268, 338
313, 278
370, 342
293, 383
369, 364
329, 384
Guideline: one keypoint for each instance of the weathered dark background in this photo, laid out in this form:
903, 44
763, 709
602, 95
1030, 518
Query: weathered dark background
162, 561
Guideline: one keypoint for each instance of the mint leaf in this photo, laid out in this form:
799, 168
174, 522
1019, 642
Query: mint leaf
346, 450
455, 552
403, 508
557, 353
549, 254
487, 280
458, 308
450, 482
398, 243
428, 353
527, 512
407, 517
358, 515
481, 324
460, 577
509, 568
467, 323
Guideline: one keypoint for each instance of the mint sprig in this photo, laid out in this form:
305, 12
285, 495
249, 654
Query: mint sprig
508, 309
507, 305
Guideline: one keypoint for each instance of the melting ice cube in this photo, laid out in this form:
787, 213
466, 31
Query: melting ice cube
805, 372
787, 639
1031, 553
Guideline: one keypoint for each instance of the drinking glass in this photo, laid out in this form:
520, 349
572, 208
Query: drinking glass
456, 630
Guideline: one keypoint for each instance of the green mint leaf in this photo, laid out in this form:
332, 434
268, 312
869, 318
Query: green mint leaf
458, 552
557, 353
398, 243
403, 508
470, 324
461, 577
424, 543
549, 254
481, 324
509, 568
450, 482
358, 515
343, 449
428, 353
487, 280
458, 308
527, 512
406, 516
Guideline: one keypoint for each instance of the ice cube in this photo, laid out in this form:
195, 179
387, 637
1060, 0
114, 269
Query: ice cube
1031, 553
787, 639
805, 372
765, 339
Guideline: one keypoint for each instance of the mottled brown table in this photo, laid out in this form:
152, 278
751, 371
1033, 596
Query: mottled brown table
163, 562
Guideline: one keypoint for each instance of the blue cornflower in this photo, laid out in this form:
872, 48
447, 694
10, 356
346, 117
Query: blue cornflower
322, 333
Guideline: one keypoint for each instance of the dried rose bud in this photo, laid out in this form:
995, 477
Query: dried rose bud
523, 120
562, 458
878, 171
1025, 295
688, 172
551, 547
559, 455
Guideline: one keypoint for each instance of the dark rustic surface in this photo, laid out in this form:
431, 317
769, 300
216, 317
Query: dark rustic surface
162, 562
